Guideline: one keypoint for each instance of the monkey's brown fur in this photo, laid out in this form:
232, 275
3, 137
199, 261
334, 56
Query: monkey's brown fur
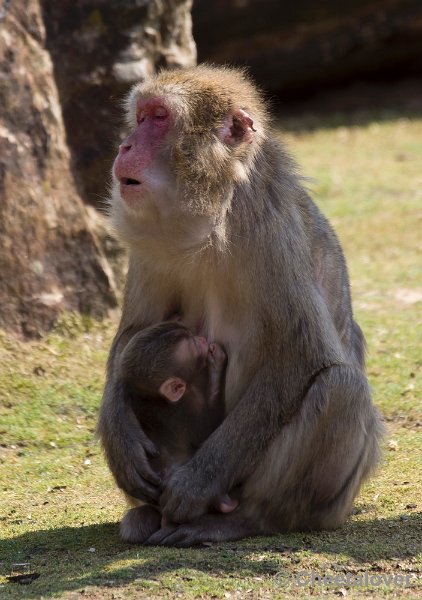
246, 252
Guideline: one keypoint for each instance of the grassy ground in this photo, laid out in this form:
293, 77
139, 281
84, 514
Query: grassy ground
60, 510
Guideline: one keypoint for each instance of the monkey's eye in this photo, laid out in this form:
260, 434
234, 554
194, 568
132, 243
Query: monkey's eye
140, 118
160, 113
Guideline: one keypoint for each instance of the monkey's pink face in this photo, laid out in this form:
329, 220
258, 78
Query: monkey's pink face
193, 351
165, 168
141, 168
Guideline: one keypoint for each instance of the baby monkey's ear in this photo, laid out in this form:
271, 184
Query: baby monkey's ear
173, 389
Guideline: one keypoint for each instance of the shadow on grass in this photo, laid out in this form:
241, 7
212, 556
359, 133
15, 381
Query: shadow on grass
358, 104
65, 559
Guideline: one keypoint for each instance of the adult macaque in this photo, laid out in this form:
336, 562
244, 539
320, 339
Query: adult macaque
221, 231
177, 383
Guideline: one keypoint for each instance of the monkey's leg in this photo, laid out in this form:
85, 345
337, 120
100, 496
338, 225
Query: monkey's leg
139, 524
313, 470
344, 449
207, 528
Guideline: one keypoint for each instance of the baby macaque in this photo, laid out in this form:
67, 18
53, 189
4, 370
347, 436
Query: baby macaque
177, 382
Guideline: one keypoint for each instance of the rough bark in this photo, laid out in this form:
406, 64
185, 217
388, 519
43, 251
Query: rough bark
99, 49
49, 259
293, 48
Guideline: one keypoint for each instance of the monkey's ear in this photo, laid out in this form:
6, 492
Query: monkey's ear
173, 389
238, 127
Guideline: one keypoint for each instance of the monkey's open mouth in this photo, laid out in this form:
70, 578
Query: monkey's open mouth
129, 181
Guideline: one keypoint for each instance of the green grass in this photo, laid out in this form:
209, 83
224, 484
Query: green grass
59, 509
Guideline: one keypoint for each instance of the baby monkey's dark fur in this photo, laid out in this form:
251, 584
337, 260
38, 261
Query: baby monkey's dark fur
177, 428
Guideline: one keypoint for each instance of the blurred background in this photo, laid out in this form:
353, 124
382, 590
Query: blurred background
65, 66
297, 48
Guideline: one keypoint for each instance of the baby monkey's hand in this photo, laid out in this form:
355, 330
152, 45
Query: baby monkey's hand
217, 360
217, 357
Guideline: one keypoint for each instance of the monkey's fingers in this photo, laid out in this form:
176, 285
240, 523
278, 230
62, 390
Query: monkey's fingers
205, 529
168, 507
182, 509
182, 536
137, 478
149, 447
144, 469
158, 538
145, 492
217, 355
136, 485
186, 496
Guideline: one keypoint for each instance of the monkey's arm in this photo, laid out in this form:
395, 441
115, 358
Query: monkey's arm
125, 444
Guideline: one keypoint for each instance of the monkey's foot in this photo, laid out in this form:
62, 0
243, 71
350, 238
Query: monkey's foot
139, 523
208, 528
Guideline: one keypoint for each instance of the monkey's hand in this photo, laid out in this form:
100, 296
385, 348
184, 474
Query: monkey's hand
132, 471
217, 361
189, 494
217, 357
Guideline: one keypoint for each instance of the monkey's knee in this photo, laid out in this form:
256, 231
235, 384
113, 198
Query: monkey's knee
139, 524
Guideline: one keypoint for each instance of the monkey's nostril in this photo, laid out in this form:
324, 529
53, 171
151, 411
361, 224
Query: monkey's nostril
124, 147
129, 181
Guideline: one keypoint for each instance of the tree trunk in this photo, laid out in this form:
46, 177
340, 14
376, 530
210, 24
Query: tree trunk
99, 49
50, 261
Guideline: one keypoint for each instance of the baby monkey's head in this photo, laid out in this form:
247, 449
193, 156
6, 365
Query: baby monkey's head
163, 360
